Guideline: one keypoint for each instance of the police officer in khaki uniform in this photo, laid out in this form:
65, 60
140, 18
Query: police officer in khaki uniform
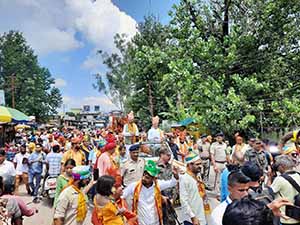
203, 147
219, 157
133, 168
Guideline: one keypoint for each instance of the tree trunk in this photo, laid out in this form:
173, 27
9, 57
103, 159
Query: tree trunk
226, 19
150, 97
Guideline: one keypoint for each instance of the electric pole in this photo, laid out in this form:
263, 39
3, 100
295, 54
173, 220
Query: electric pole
13, 90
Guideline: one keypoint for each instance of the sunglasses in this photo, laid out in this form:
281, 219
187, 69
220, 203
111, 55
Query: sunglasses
295, 155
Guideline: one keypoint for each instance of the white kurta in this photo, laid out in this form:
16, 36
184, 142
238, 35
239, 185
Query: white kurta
147, 212
190, 199
154, 135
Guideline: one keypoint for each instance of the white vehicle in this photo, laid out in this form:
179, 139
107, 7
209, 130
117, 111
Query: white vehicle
50, 188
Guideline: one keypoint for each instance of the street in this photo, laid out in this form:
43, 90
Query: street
45, 214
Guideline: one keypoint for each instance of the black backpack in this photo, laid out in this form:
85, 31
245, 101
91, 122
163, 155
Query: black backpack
295, 185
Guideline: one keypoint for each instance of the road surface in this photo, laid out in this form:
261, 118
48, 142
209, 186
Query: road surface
45, 214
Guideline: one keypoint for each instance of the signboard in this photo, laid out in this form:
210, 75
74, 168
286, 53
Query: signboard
2, 97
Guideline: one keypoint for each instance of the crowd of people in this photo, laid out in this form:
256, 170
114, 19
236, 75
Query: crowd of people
151, 178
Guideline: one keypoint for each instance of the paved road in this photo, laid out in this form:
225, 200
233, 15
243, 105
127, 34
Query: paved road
45, 214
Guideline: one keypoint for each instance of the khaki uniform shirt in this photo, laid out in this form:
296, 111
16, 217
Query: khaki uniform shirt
219, 151
67, 206
204, 153
132, 171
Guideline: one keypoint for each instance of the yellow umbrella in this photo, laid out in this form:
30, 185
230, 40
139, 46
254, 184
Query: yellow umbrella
12, 115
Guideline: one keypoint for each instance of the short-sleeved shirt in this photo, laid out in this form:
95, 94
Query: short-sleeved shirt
36, 167
78, 156
283, 189
13, 208
67, 206
132, 171
219, 151
204, 150
54, 161
21, 167
104, 163
7, 170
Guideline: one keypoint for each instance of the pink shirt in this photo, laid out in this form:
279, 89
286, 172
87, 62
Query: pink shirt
26, 211
104, 163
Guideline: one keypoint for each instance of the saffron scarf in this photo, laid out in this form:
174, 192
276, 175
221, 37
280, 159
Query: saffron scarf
81, 207
202, 192
183, 149
157, 198
131, 128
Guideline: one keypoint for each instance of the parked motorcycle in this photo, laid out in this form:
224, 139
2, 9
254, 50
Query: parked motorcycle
50, 188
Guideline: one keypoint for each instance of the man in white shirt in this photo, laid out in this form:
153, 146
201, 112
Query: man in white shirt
21, 165
238, 185
192, 210
155, 135
146, 195
7, 169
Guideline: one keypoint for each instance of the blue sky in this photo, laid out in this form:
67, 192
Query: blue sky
66, 34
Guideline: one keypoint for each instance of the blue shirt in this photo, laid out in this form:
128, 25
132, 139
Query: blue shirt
224, 184
54, 161
36, 167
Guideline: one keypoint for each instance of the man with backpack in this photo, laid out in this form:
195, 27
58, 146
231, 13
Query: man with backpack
287, 185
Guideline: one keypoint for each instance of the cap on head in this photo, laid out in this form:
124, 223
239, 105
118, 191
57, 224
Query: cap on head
191, 157
220, 134
81, 172
101, 143
151, 168
31, 146
203, 136
134, 147
110, 146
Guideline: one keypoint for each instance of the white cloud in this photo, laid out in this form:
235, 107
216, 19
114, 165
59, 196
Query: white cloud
51, 26
92, 62
101, 100
59, 82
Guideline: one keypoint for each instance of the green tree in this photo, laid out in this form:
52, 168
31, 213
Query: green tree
134, 76
232, 64
235, 60
32, 84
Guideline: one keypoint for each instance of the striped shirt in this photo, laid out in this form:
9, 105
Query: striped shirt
54, 161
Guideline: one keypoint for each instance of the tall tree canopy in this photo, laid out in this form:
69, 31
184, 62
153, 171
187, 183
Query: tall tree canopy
21, 74
232, 64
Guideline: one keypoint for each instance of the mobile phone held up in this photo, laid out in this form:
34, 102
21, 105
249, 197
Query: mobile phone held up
292, 211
